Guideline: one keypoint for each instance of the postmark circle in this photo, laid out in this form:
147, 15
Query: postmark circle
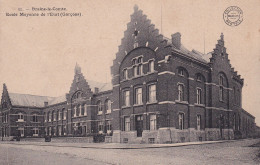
233, 16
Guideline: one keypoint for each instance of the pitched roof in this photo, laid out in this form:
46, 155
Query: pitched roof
33, 100
101, 86
205, 58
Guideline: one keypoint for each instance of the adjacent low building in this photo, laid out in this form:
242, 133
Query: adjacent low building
160, 93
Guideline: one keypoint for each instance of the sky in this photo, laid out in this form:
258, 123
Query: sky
38, 54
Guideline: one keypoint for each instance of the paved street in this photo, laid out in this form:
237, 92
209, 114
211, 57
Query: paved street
234, 152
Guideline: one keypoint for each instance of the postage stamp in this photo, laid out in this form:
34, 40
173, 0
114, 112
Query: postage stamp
233, 16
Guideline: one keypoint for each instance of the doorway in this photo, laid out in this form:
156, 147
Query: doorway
139, 125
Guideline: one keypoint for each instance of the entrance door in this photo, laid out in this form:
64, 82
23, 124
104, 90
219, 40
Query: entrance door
139, 125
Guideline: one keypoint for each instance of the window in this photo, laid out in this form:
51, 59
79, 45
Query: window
50, 131
140, 69
198, 122
64, 130
81, 110
125, 74
127, 123
234, 122
180, 92
135, 70
108, 106
21, 130
35, 118
99, 107
221, 90
181, 121
181, 72
50, 116
54, 116
126, 98
152, 93
45, 117
64, 114
138, 96
20, 117
153, 122
199, 77
151, 66
109, 127
199, 96
100, 127
35, 131
85, 110
75, 111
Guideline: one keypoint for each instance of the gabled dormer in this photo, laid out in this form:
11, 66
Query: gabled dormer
140, 34
79, 90
5, 100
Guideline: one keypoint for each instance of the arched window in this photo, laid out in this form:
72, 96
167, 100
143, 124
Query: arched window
221, 87
99, 106
53, 116
81, 110
108, 106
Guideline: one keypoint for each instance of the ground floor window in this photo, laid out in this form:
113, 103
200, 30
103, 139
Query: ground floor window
35, 131
181, 121
59, 130
153, 122
198, 122
127, 123
109, 127
49, 130
21, 131
64, 130
100, 127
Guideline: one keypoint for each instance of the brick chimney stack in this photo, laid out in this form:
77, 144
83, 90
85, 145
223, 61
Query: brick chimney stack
176, 40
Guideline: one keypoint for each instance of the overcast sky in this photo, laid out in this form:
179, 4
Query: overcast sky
38, 54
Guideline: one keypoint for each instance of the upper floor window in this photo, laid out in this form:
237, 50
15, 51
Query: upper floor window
180, 72
99, 104
125, 74
108, 106
221, 88
151, 66
199, 96
20, 117
75, 111
180, 92
81, 110
64, 114
35, 118
126, 98
85, 110
137, 66
50, 116
152, 93
199, 77
181, 121
138, 96
54, 116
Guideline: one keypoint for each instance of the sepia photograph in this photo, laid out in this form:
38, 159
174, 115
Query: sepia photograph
129, 82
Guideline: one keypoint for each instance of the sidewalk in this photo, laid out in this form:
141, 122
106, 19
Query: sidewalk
111, 145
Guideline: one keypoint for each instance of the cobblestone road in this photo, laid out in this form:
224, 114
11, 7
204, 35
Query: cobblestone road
236, 152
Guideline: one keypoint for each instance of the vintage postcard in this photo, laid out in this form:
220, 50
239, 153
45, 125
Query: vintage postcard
129, 82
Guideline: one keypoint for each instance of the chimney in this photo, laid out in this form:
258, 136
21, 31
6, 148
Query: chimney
45, 103
96, 90
176, 40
